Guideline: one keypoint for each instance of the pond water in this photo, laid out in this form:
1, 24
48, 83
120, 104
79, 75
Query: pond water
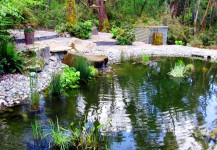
148, 109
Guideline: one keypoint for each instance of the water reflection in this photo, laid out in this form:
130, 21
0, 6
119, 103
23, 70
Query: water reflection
148, 108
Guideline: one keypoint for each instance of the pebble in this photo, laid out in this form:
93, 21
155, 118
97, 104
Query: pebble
14, 88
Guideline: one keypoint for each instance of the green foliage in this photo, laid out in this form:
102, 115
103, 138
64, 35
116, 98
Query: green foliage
209, 38
181, 70
10, 60
52, 15
81, 30
29, 29
37, 130
126, 38
60, 138
55, 85
82, 65
70, 78
145, 58
179, 43
116, 32
88, 137
93, 71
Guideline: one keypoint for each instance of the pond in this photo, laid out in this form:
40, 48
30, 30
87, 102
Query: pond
148, 108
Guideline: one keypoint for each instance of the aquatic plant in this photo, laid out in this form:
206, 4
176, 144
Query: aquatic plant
82, 65
145, 58
88, 137
37, 130
70, 78
181, 70
93, 71
55, 85
61, 138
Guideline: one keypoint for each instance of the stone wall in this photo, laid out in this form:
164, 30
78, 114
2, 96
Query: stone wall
144, 34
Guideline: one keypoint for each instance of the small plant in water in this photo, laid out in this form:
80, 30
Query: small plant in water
37, 130
61, 138
145, 58
55, 85
93, 71
181, 70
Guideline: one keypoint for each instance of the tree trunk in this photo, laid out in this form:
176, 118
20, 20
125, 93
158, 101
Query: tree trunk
104, 25
204, 16
193, 11
195, 21
71, 12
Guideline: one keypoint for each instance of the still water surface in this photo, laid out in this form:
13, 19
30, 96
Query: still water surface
148, 109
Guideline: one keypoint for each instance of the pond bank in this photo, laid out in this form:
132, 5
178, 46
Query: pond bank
14, 88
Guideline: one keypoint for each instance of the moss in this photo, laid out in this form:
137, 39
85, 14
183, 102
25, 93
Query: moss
71, 12
105, 25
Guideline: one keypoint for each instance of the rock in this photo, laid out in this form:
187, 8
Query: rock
99, 61
69, 59
45, 53
57, 49
83, 45
37, 65
3, 103
53, 58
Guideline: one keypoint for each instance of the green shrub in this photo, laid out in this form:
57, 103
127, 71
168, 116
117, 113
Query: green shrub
10, 61
70, 78
55, 85
145, 58
82, 30
181, 70
93, 71
209, 38
179, 43
126, 38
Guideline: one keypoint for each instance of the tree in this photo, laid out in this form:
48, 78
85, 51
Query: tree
71, 12
195, 20
104, 25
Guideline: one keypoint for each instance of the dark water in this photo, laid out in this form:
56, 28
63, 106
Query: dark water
148, 108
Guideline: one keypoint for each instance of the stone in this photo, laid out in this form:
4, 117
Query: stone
99, 61
83, 46
53, 58
57, 49
45, 53
3, 103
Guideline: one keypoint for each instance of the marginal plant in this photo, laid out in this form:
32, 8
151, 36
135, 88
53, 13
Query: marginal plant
179, 43
93, 71
181, 70
70, 78
61, 138
82, 65
145, 58
10, 61
55, 85
37, 130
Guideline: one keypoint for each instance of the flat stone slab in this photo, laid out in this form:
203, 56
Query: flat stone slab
56, 49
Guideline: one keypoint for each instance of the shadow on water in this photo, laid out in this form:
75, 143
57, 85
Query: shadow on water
148, 108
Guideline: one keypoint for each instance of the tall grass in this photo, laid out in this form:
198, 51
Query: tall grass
61, 138
55, 85
82, 65
37, 130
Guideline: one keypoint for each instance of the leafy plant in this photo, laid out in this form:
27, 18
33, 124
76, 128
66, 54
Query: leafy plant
116, 32
179, 43
70, 78
126, 38
29, 29
10, 61
181, 70
93, 71
81, 30
55, 85
145, 58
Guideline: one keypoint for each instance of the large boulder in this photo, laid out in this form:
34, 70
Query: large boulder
98, 61
82, 46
